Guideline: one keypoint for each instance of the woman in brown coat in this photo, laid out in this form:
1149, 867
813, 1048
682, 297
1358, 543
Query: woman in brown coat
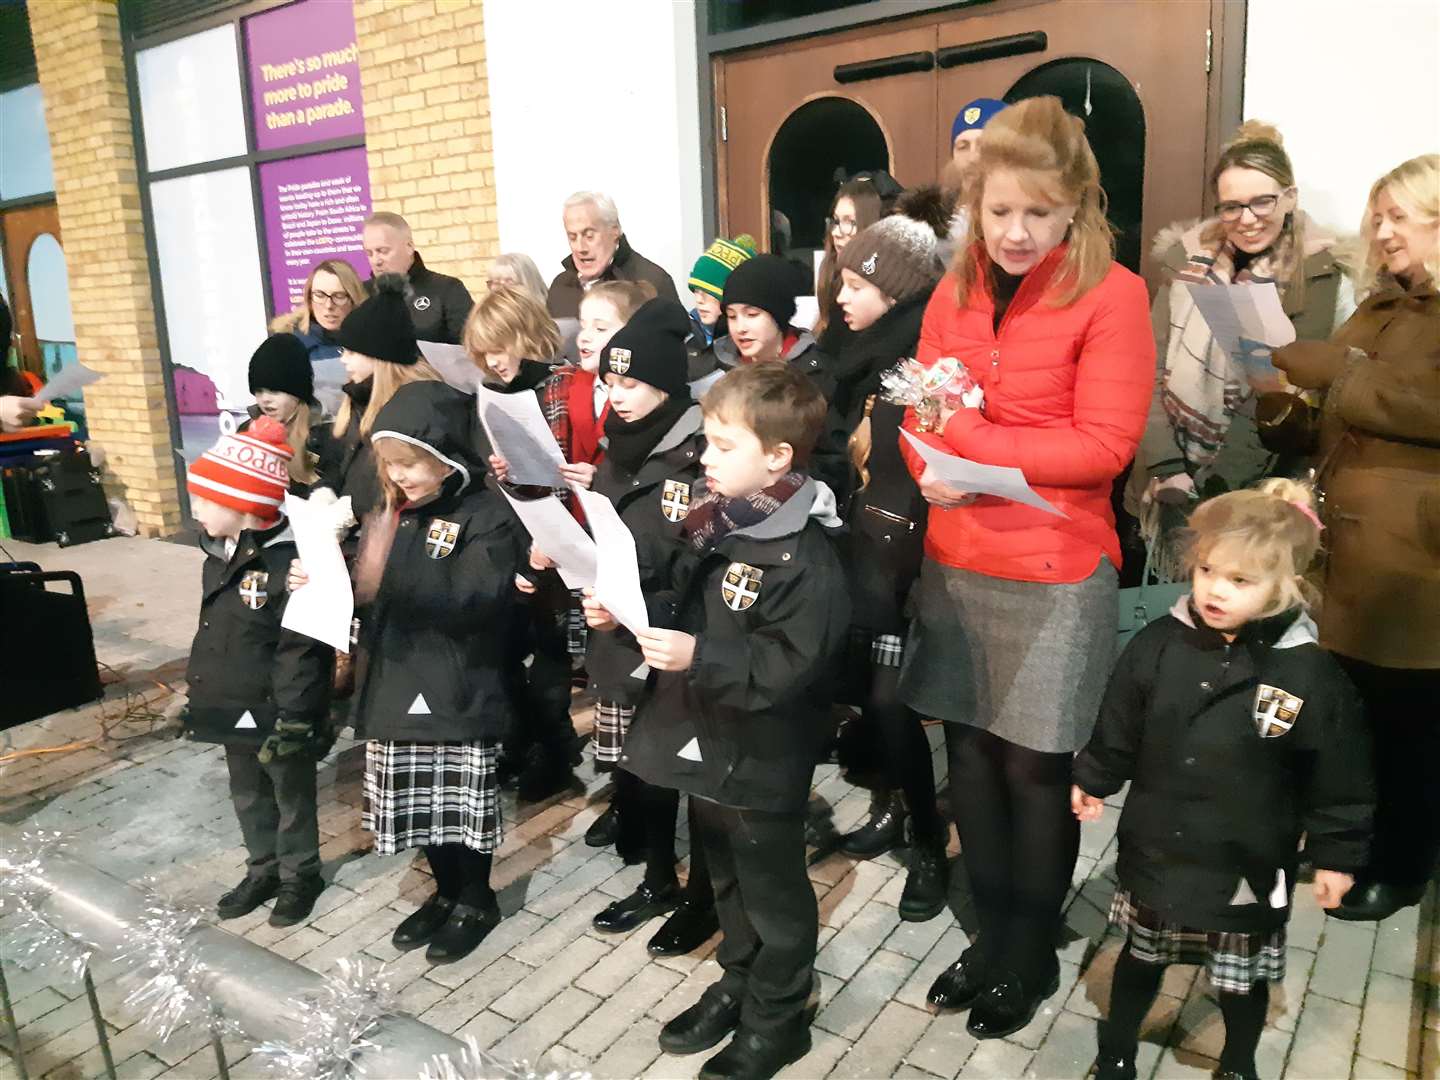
1379, 469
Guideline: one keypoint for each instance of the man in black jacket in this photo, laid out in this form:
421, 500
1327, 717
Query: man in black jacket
735, 714
440, 304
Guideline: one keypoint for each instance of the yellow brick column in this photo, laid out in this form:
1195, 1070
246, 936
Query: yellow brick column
82, 77
427, 127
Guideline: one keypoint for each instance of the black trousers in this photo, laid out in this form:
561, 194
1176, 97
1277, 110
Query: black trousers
276, 807
766, 907
1402, 707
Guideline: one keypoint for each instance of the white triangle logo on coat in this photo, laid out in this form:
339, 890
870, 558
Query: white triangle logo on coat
1244, 894
245, 721
418, 707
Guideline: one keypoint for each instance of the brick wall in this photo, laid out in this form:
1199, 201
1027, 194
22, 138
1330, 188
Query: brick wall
427, 127
82, 77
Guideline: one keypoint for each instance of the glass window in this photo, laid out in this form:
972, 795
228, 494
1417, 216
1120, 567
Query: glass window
190, 100
741, 14
24, 144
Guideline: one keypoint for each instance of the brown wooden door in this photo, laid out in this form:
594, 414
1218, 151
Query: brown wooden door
20, 229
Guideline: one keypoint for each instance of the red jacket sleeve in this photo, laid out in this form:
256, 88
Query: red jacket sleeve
1114, 379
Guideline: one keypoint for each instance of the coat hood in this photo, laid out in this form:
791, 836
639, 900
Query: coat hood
437, 418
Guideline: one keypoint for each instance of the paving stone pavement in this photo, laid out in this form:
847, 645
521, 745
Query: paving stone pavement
1359, 1001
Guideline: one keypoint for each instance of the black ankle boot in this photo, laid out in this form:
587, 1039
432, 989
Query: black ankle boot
1007, 1005
702, 1025
927, 881
247, 896
296, 900
884, 830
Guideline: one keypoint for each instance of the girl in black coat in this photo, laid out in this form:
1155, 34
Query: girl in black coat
1239, 736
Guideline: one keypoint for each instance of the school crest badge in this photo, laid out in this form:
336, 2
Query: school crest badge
422, 303
740, 586
675, 500
619, 361
868, 266
253, 589
440, 538
972, 114
1275, 711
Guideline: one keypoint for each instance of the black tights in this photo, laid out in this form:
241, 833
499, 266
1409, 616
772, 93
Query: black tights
461, 874
1133, 990
907, 752
1019, 840
647, 823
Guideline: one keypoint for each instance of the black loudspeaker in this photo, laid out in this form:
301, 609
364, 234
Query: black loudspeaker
47, 651
56, 496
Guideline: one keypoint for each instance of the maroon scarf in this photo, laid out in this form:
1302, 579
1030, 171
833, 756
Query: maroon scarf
713, 516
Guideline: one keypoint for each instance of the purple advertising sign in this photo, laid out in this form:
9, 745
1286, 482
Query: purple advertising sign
304, 73
315, 209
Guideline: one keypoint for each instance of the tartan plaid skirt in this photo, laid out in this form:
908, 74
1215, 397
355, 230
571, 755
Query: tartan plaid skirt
1234, 961
417, 794
612, 724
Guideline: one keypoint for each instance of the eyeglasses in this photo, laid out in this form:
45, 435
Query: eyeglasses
1262, 206
338, 299
842, 226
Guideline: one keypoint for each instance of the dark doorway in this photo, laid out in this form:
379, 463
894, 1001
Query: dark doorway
1115, 125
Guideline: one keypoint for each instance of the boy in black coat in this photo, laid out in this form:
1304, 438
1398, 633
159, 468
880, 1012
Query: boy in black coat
261, 691
735, 713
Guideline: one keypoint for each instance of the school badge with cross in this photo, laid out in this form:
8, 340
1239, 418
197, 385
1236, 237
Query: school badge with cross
675, 500
441, 537
1275, 711
619, 361
740, 586
252, 589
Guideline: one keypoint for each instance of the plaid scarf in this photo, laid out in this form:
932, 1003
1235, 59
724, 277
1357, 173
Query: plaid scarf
713, 516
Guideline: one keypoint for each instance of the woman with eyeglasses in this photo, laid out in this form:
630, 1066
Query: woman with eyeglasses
860, 202
1201, 438
332, 291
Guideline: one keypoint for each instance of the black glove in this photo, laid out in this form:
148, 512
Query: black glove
289, 737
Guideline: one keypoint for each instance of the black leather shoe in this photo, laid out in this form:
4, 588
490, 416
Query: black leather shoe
752, 1056
420, 925
1115, 1067
1006, 1006
604, 830
688, 928
466, 928
702, 1025
296, 900
638, 908
960, 984
1371, 901
247, 896
884, 830
927, 882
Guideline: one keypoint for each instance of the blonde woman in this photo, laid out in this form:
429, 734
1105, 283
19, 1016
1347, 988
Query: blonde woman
517, 271
1380, 471
332, 291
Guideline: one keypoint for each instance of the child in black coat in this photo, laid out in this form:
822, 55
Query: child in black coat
1239, 736
260, 691
736, 708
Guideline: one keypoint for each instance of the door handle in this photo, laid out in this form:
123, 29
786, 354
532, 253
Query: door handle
975, 52
884, 67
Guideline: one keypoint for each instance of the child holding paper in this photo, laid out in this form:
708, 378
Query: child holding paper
735, 712
261, 691
1239, 736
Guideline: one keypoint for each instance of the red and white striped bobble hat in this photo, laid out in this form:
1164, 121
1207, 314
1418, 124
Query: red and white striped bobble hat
245, 471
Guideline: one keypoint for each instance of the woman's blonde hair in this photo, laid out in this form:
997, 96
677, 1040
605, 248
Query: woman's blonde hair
1415, 187
387, 379
300, 317
510, 321
1039, 140
526, 273
1271, 529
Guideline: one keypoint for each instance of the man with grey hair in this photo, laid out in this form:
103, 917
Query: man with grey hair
439, 305
598, 252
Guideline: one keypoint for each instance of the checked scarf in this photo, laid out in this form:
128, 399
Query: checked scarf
713, 517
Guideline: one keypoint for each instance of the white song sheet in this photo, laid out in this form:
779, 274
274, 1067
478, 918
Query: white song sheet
72, 377
557, 534
617, 570
323, 607
518, 433
970, 476
1247, 322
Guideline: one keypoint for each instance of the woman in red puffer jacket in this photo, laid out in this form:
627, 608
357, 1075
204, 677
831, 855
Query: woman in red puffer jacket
1014, 615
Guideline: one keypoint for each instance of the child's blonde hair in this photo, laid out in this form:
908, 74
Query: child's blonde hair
1272, 529
297, 434
510, 321
388, 378
402, 453
626, 297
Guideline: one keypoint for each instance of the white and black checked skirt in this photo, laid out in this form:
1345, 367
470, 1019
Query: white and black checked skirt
417, 794
612, 724
1234, 961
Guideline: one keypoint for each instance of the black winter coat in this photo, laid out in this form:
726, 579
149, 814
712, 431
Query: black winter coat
652, 502
770, 612
346, 465
439, 306
1233, 752
241, 661
886, 535
438, 634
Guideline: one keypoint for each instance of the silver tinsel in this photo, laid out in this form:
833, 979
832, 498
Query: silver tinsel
335, 1024
476, 1064
34, 942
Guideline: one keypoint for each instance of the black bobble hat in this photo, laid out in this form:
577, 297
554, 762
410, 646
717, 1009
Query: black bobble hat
769, 283
651, 347
381, 327
283, 363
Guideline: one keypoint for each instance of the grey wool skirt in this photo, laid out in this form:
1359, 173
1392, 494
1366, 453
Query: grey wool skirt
1022, 660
